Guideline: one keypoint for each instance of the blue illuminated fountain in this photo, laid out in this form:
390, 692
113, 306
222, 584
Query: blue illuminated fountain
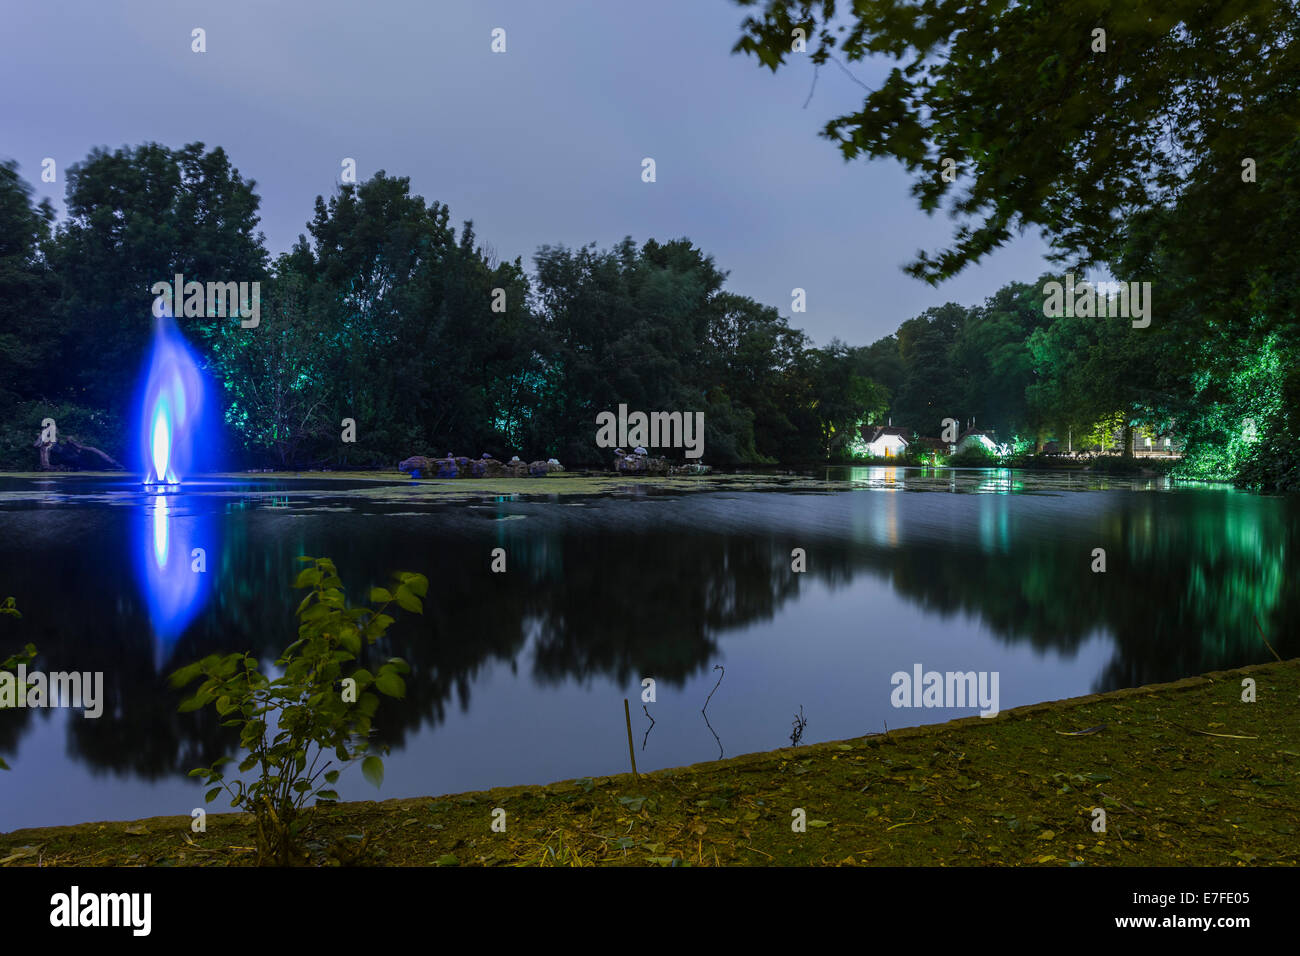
173, 570
172, 407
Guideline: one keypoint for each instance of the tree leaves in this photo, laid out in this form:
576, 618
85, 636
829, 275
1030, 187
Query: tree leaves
1113, 132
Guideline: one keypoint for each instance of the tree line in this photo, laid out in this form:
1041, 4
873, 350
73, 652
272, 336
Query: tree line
385, 313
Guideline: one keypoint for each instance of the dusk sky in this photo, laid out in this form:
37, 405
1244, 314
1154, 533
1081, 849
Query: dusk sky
540, 145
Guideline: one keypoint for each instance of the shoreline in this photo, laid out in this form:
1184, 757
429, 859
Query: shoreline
1186, 772
398, 487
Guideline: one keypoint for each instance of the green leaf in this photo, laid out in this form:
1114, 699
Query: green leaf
186, 674
380, 596
211, 795
372, 768
307, 578
390, 684
408, 601
377, 626
418, 584
193, 703
315, 612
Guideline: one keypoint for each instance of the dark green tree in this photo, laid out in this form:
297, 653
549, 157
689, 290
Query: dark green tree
994, 364
932, 389
1051, 124
27, 290
137, 216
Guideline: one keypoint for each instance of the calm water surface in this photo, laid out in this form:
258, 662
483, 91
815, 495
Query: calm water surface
519, 677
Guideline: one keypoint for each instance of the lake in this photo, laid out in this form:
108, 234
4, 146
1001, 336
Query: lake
519, 677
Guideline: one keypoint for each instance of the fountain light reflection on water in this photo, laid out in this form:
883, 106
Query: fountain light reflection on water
174, 541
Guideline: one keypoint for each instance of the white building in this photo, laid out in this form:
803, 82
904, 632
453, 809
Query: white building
885, 442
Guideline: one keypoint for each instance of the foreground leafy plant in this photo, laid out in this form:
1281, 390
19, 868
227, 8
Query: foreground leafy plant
9, 609
320, 705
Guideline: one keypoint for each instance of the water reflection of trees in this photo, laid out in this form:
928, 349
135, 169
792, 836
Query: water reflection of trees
602, 595
1187, 576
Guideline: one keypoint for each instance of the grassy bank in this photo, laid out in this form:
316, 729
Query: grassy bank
1187, 774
